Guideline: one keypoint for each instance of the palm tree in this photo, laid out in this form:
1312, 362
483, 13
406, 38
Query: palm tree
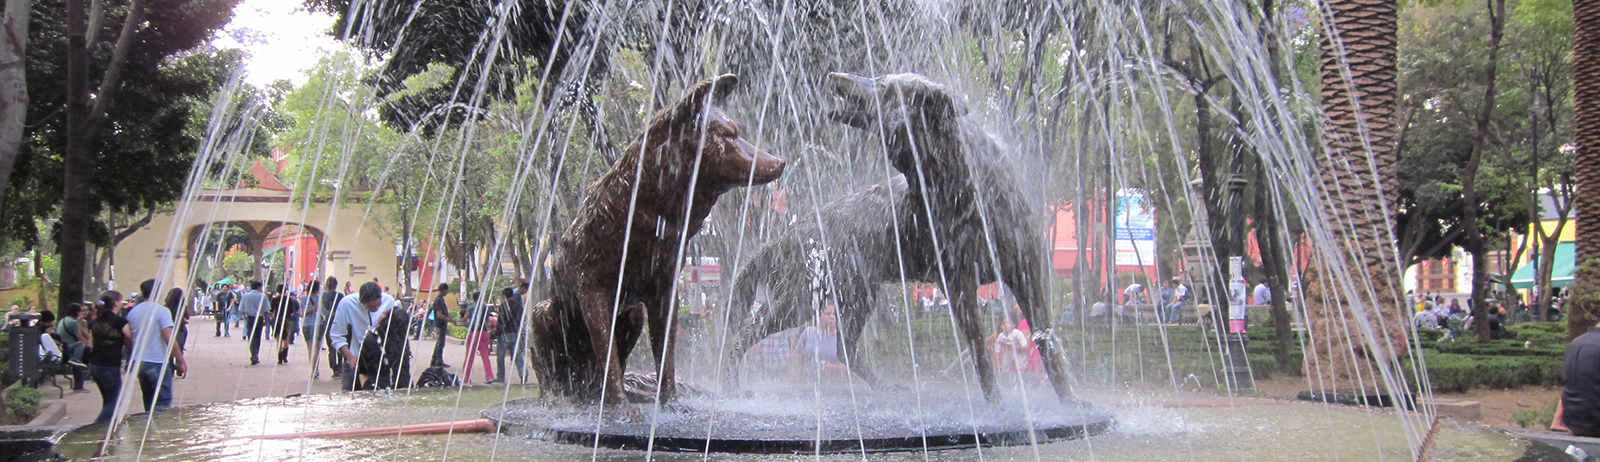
1586, 120
1359, 189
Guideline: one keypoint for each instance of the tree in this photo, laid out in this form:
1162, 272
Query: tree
141, 137
1586, 111
416, 35
13, 86
239, 264
1358, 189
1542, 51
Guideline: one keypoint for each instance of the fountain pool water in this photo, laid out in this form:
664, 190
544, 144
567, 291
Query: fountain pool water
1149, 427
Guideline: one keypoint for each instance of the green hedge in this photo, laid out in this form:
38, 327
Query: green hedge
1540, 334
1554, 327
22, 403
1498, 348
1457, 373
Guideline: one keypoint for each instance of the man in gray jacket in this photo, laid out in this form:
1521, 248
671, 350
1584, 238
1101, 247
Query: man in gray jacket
251, 305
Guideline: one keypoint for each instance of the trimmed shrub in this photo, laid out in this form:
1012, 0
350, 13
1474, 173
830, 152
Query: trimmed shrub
1554, 327
1456, 373
22, 403
1511, 347
1539, 335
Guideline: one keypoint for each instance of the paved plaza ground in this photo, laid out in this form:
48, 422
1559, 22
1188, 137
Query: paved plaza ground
220, 370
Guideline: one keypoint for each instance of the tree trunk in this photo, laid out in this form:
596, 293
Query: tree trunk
13, 86
1469, 176
1269, 235
83, 123
1359, 184
77, 160
1586, 121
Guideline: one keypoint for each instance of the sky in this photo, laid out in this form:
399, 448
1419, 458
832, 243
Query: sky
282, 38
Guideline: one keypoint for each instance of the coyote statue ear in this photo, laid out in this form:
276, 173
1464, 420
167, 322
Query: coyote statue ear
695, 99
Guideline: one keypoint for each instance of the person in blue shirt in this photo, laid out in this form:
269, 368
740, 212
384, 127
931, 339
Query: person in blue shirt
154, 358
252, 304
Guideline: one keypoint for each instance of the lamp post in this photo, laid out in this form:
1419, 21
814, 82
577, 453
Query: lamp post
1237, 369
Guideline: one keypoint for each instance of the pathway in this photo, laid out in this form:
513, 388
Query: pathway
219, 371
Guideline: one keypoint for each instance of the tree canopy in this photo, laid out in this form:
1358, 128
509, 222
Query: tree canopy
153, 127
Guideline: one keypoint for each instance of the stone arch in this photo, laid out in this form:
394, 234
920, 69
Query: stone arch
256, 233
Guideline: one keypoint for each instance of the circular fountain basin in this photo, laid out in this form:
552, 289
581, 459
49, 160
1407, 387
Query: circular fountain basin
1149, 426
801, 423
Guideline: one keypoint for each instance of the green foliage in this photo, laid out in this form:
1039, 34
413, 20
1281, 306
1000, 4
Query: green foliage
1457, 373
1541, 334
1513, 347
1536, 418
149, 136
22, 403
239, 264
1443, 60
1556, 327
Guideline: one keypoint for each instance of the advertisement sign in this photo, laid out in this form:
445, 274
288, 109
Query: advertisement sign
1136, 229
1236, 295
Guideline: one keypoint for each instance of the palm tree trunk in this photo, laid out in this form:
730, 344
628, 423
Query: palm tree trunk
1359, 190
1586, 121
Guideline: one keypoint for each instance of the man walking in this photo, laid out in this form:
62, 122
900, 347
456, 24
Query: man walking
251, 305
351, 321
439, 312
510, 327
325, 305
224, 304
153, 354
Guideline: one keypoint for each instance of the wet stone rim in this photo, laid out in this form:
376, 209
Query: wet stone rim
527, 417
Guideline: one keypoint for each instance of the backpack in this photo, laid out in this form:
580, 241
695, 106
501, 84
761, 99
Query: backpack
436, 376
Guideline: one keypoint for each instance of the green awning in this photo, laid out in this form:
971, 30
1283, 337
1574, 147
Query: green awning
1560, 276
226, 280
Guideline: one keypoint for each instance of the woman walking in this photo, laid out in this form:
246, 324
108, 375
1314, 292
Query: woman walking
108, 335
308, 324
180, 316
480, 323
286, 321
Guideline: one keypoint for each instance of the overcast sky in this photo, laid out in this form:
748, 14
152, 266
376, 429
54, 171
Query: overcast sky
283, 39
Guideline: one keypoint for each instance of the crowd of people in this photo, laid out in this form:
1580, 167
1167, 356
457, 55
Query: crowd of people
363, 332
101, 340
1457, 319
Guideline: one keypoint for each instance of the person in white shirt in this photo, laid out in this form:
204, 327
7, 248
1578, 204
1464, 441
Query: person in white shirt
351, 320
1174, 305
1425, 319
153, 356
1134, 295
48, 347
1263, 294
